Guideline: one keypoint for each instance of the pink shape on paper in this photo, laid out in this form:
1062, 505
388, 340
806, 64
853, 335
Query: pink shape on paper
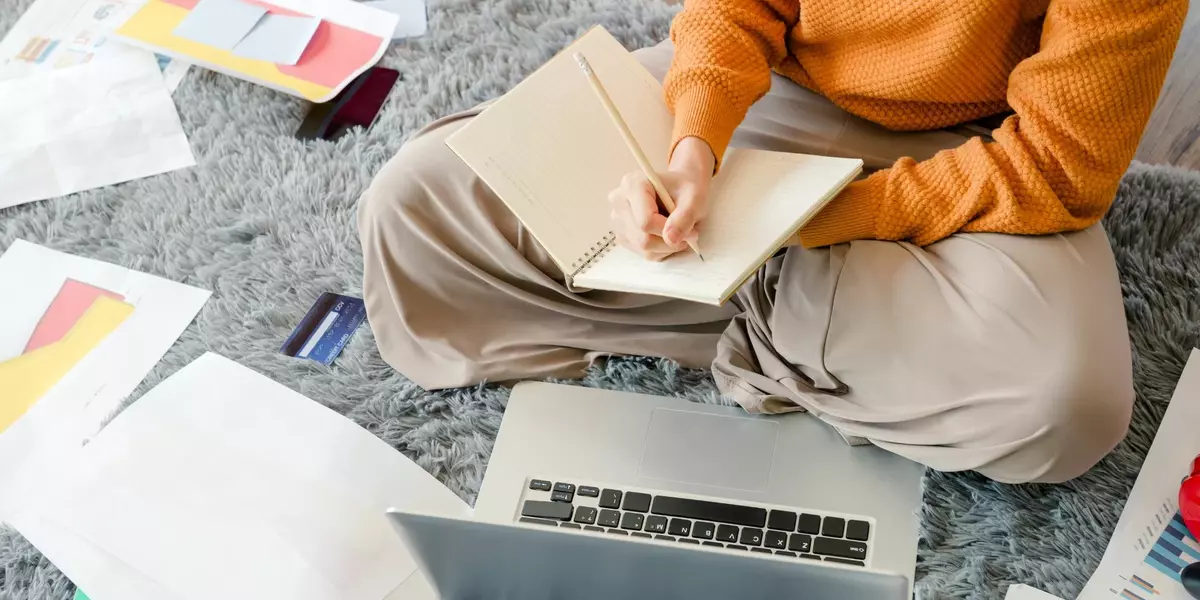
188, 4
333, 55
73, 299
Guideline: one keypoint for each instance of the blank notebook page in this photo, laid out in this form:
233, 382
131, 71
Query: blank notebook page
758, 200
551, 152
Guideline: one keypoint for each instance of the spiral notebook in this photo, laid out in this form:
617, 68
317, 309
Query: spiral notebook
552, 154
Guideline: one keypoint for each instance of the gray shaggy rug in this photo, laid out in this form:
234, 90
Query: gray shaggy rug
266, 223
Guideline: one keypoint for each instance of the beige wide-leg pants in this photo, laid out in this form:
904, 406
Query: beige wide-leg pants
1004, 354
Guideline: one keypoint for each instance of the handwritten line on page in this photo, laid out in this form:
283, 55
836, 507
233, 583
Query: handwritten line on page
218, 452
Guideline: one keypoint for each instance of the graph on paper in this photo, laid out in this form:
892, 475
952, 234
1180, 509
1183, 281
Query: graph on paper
1167, 548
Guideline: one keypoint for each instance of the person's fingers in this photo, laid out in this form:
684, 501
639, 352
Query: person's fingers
643, 207
680, 226
632, 237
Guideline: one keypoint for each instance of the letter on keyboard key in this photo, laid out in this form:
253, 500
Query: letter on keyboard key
610, 498
840, 548
703, 530
636, 501
709, 511
775, 539
656, 524
609, 518
800, 543
727, 533
589, 491
750, 537
585, 515
561, 496
564, 487
546, 510
680, 527
632, 521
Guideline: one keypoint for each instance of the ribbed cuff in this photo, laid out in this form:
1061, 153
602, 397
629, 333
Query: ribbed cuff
849, 216
707, 114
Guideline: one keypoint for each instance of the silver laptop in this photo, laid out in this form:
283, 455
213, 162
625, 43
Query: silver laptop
600, 494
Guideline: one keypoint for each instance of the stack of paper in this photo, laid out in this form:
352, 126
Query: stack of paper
220, 483
81, 113
76, 337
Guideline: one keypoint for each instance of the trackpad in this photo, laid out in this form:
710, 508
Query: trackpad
697, 448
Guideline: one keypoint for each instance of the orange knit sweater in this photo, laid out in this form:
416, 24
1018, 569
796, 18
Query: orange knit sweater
1081, 76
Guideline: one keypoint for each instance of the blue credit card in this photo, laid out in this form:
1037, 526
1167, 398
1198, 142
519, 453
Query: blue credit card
326, 328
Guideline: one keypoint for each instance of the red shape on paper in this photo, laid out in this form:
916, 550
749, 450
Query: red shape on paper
73, 299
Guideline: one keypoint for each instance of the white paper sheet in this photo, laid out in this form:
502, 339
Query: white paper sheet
55, 34
72, 411
221, 470
87, 126
414, 19
1023, 592
1147, 522
220, 23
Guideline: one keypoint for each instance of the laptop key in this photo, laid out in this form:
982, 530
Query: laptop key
800, 543
571, 526
703, 530
561, 496
640, 534
538, 521
708, 543
593, 528
727, 533
840, 548
546, 510
682, 527
632, 520
564, 487
618, 532
636, 501
775, 539
610, 498
810, 524
609, 518
833, 526
762, 550
656, 524
858, 530
782, 520
585, 515
736, 547
539, 484
857, 563
664, 537
589, 491
709, 511
785, 553
810, 556
750, 537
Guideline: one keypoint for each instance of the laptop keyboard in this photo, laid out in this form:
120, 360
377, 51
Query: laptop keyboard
811, 535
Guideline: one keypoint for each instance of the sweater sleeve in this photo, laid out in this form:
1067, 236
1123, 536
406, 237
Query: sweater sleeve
1080, 103
724, 53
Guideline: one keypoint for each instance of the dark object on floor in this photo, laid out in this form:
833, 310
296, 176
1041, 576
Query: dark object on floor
324, 331
357, 105
1190, 576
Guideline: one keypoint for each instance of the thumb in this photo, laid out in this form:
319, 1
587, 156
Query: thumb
680, 224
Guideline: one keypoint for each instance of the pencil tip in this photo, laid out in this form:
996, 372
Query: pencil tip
700, 255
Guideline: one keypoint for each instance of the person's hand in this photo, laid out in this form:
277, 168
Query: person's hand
635, 215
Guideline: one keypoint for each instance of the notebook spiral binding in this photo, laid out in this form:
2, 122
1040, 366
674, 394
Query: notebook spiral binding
594, 253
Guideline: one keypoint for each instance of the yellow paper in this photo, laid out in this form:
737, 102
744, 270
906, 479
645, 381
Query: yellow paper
155, 22
26, 378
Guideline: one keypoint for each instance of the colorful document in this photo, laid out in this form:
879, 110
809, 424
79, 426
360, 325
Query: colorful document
348, 40
73, 299
24, 379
